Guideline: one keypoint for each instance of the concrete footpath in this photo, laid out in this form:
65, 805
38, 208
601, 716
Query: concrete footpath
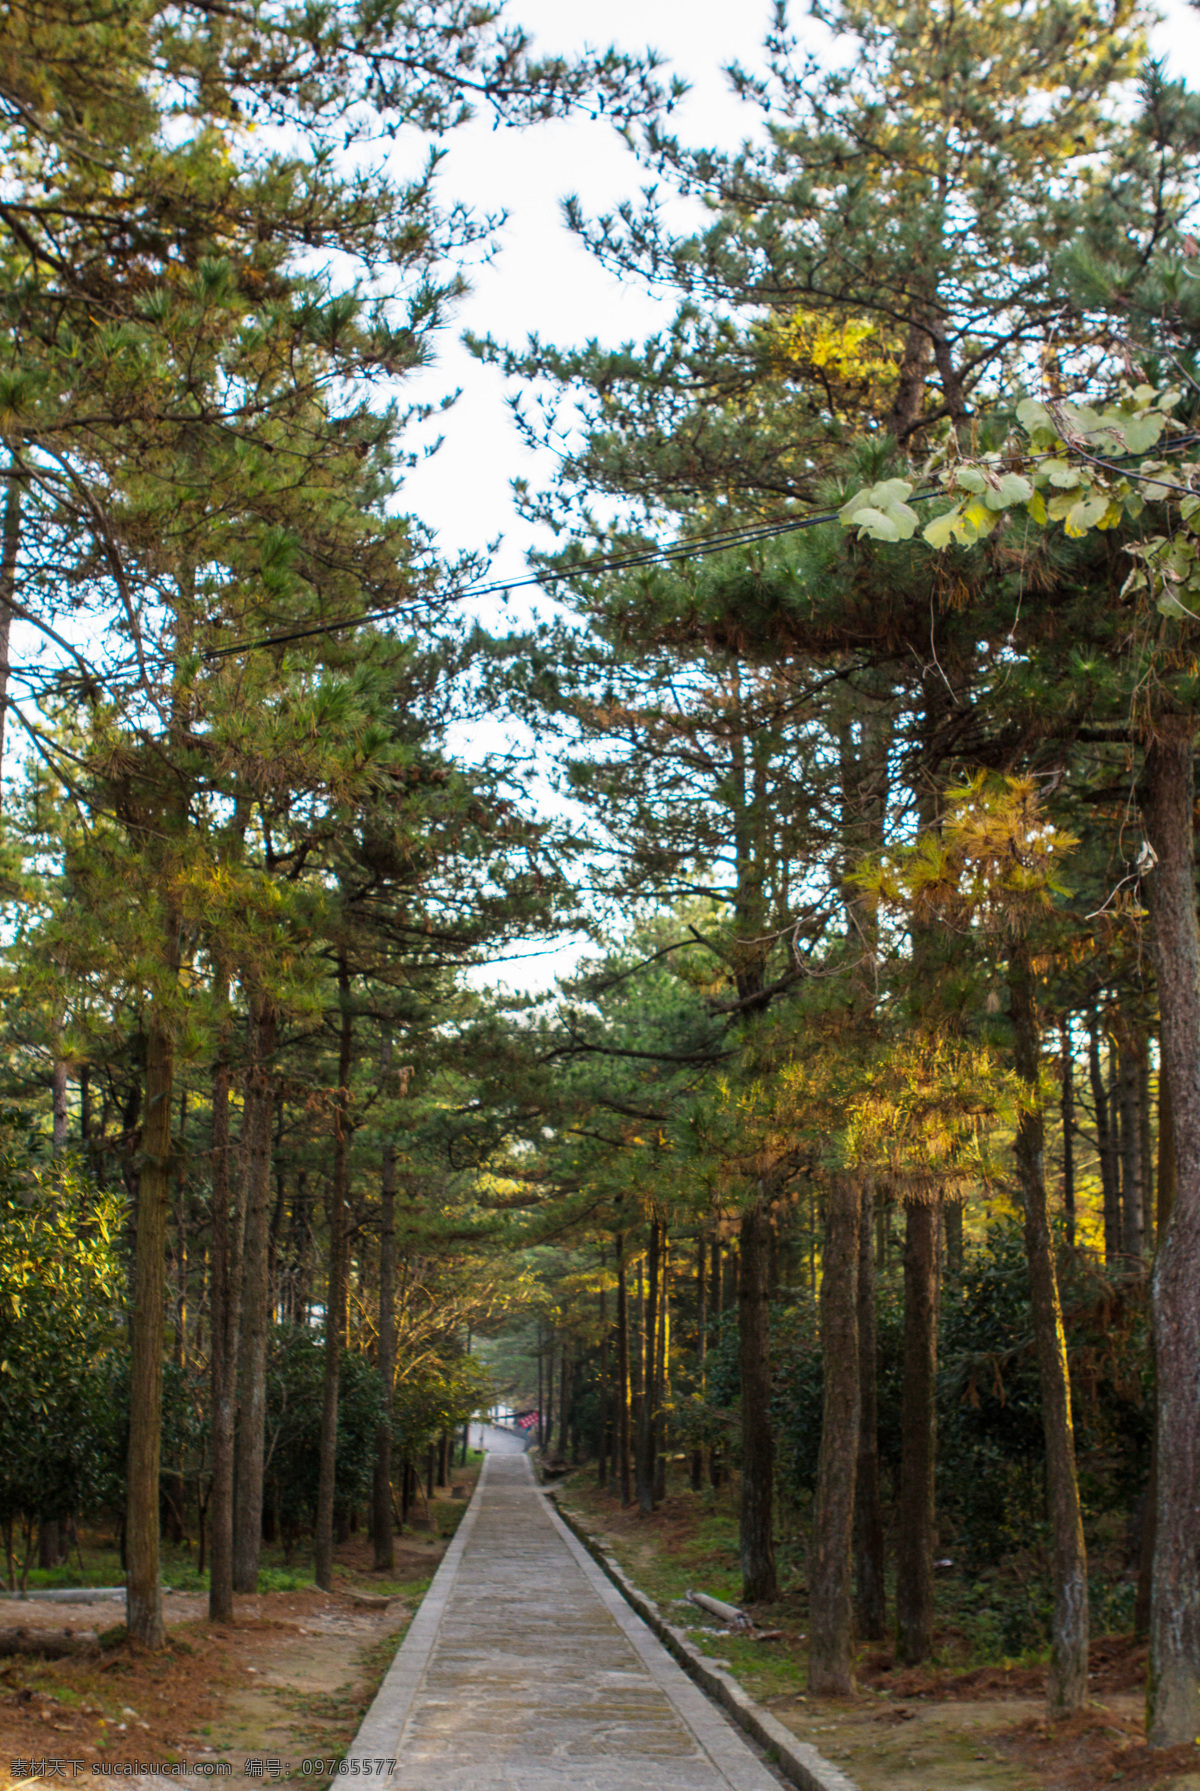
525, 1668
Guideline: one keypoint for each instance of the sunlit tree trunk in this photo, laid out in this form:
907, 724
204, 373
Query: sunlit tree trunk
1105, 1143
870, 1601
830, 1630
1173, 1686
645, 1426
757, 1544
143, 1585
624, 1464
385, 1548
225, 1299
701, 1351
10, 544
1067, 1679
335, 1305
256, 1298
918, 1422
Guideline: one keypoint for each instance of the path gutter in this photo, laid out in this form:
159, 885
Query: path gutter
801, 1762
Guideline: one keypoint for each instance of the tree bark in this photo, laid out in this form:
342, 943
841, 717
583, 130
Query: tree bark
830, 1630
10, 544
1165, 1201
385, 1547
335, 1304
662, 1359
646, 1413
701, 1351
256, 1299
225, 1299
1067, 1110
622, 1426
1172, 1694
1066, 1687
716, 1448
564, 1398
759, 1581
143, 1585
59, 1106
918, 1419
870, 1597
606, 1398
1129, 1085
1105, 1143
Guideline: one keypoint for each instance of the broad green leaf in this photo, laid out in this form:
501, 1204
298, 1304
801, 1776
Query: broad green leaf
890, 491
1085, 515
969, 478
875, 524
945, 529
1010, 489
1169, 605
981, 519
1061, 473
1037, 508
1142, 432
1032, 415
905, 519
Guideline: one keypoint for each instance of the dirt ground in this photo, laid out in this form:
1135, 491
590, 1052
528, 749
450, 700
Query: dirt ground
278, 1694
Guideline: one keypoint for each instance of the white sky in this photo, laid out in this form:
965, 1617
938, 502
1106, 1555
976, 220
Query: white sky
542, 281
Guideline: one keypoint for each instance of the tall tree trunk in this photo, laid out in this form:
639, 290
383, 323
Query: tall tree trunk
918, 1423
1129, 1085
759, 1581
1165, 1201
1105, 1143
143, 1587
830, 1631
335, 1305
1067, 1111
701, 1352
541, 1429
662, 1359
59, 1106
716, 1448
548, 1445
385, 1547
606, 1400
622, 1426
256, 1298
1146, 1133
564, 1398
1173, 1697
645, 1429
10, 544
225, 1297
870, 1598
1066, 1687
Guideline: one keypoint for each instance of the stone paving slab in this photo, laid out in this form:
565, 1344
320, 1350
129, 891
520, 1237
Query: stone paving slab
525, 1670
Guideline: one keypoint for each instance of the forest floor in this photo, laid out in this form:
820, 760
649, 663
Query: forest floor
278, 1694
966, 1722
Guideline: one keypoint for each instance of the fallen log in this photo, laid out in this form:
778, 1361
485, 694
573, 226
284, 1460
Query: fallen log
49, 1644
716, 1607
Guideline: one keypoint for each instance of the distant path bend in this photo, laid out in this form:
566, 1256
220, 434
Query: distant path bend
525, 1670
